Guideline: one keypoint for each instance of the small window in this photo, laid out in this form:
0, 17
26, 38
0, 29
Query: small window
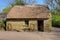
26, 22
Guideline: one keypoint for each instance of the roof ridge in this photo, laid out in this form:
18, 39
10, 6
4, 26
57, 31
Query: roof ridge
31, 6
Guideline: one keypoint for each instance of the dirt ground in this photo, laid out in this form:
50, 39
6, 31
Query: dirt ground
54, 35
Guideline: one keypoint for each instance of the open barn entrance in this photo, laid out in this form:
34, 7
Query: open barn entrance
40, 25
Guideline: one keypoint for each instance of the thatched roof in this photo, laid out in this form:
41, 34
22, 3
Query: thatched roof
28, 12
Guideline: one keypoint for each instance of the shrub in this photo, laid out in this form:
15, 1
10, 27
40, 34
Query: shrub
2, 25
56, 20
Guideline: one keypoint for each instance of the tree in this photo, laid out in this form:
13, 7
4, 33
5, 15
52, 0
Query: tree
19, 2
30, 2
54, 5
51, 3
24, 2
6, 10
58, 1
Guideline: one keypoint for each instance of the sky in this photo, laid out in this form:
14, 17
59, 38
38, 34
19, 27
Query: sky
5, 3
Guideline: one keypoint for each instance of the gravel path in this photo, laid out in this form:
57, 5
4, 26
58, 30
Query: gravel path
54, 35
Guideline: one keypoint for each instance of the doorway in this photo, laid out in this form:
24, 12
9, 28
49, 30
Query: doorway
40, 25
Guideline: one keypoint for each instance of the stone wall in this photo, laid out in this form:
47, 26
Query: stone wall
15, 25
21, 26
48, 24
33, 25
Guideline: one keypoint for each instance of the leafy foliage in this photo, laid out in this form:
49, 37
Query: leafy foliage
53, 4
18, 2
56, 20
6, 10
2, 25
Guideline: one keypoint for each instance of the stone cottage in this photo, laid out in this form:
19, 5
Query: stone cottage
29, 18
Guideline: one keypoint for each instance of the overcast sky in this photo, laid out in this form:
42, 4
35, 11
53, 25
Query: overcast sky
5, 3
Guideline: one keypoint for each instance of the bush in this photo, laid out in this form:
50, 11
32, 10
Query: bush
56, 23
56, 20
2, 25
